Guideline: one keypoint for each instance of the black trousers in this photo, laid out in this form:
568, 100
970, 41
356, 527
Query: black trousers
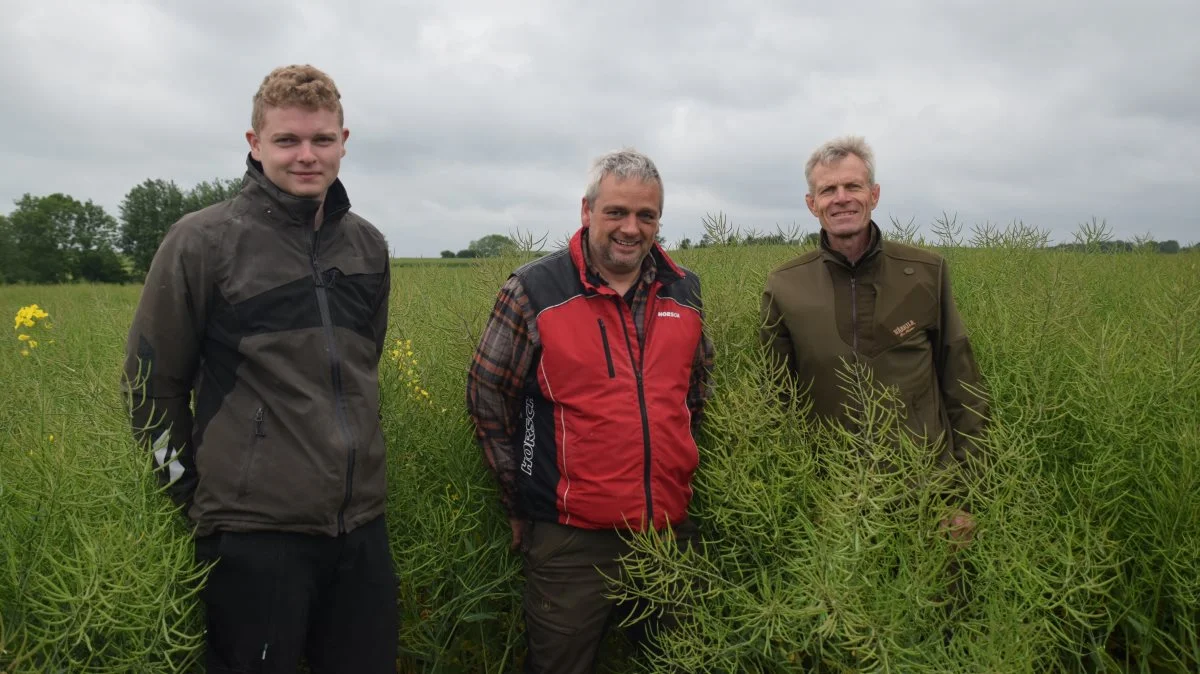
275, 596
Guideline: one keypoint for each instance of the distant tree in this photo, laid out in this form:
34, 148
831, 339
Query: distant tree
94, 240
685, 244
447, 253
147, 212
1168, 246
93, 228
492, 245
467, 252
8, 251
41, 229
206, 193
101, 266
56, 238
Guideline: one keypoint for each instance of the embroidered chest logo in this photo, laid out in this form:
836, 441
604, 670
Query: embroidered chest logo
668, 314
904, 329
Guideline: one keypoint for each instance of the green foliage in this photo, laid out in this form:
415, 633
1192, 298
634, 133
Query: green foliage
207, 193
1086, 558
149, 209
8, 251
96, 569
447, 253
55, 238
492, 245
147, 212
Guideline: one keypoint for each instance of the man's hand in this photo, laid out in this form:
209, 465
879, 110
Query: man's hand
518, 531
961, 526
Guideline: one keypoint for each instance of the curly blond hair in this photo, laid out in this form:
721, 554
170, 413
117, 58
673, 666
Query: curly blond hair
296, 85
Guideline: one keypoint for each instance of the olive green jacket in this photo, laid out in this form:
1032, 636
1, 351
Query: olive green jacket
892, 311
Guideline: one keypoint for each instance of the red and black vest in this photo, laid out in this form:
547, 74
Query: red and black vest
606, 434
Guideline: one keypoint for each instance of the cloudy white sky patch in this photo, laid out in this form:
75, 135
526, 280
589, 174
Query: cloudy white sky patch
470, 118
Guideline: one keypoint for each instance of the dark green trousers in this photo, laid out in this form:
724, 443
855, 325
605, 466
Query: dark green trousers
567, 612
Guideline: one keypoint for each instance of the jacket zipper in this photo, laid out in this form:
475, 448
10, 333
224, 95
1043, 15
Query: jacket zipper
854, 312
607, 353
335, 368
641, 390
249, 468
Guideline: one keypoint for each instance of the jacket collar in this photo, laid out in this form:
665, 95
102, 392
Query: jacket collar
287, 208
873, 247
657, 265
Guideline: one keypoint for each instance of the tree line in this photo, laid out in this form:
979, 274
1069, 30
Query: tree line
58, 239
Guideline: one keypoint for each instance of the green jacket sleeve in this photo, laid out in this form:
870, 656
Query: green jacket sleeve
774, 336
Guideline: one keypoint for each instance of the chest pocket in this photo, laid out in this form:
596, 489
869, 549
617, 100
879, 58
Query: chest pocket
905, 332
353, 286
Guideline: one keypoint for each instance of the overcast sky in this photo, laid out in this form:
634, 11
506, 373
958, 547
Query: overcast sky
470, 118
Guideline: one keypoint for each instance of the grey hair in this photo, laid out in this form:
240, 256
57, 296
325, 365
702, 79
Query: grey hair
623, 164
838, 149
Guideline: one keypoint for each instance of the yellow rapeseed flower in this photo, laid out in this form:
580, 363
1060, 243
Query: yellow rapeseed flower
26, 316
24, 352
23, 338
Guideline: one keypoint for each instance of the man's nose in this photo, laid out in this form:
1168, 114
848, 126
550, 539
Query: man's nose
629, 224
306, 153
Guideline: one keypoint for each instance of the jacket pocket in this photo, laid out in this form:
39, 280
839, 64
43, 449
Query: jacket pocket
607, 352
252, 453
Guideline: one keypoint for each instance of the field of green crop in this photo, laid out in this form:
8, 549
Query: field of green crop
1087, 556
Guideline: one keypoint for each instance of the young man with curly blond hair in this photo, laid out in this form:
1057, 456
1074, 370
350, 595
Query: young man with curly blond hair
271, 310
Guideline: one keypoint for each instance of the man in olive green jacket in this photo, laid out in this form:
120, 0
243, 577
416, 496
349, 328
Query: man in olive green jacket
858, 298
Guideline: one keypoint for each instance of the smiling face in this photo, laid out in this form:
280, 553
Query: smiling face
300, 149
622, 223
843, 197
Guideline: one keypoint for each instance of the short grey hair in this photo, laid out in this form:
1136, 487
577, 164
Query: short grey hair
838, 149
622, 164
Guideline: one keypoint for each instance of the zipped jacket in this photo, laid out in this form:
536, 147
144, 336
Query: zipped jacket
892, 311
602, 435
277, 330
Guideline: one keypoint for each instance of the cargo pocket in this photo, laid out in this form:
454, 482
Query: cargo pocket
259, 432
552, 587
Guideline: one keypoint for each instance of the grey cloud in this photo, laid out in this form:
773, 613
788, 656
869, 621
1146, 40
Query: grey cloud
469, 117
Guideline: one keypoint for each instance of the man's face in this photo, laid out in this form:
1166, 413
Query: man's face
301, 150
622, 224
842, 198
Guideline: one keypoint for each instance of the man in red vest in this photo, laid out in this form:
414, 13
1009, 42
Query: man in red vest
586, 391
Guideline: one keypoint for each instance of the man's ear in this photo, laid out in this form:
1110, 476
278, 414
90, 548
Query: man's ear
255, 144
585, 213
